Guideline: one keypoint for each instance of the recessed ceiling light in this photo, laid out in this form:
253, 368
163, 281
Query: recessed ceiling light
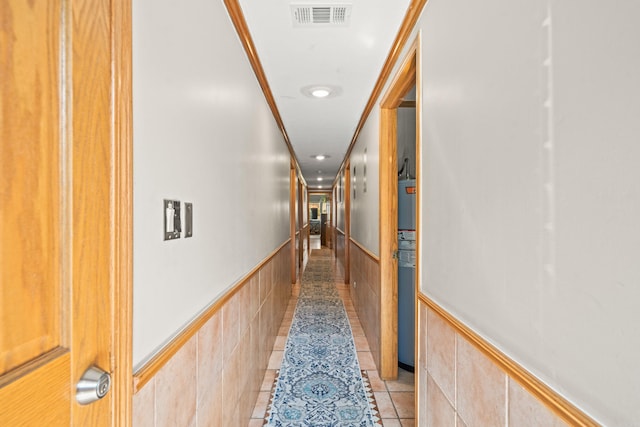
319, 178
321, 91
320, 156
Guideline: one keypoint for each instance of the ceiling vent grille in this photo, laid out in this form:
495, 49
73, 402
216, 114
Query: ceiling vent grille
320, 15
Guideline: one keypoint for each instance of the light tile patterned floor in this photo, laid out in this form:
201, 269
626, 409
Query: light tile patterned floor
395, 399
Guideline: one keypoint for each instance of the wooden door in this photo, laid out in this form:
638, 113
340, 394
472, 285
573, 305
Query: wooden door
64, 221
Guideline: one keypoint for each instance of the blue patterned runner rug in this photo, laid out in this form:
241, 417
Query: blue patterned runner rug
320, 384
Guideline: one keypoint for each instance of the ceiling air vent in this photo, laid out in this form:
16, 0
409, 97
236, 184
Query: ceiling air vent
320, 15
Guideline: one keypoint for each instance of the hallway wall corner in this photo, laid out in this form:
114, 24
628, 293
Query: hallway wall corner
215, 376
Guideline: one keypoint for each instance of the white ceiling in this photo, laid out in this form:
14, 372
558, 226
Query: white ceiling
348, 57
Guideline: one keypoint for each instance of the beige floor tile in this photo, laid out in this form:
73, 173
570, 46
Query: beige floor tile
284, 330
287, 323
404, 402
261, 404
408, 422
355, 324
391, 422
366, 360
275, 361
405, 382
357, 331
281, 340
385, 405
267, 381
376, 383
256, 423
353, 318
361, 343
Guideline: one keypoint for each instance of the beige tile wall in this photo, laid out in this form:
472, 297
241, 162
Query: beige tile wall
341, 250
214, 379
365, 272
459, 386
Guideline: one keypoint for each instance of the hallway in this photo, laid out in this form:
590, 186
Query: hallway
162, 169
394, 399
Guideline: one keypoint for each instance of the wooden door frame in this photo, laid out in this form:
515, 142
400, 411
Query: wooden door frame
347, 222
292, 219
122, 214
406, 77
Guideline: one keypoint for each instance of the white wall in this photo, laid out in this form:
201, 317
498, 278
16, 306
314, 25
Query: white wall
530, 187
365, 207
203, 133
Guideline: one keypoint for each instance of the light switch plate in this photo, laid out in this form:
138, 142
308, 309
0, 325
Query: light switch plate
188, 219
172, 221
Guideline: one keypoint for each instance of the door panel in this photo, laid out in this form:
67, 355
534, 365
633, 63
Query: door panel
42, 396
35, 364
58, 203
30, 196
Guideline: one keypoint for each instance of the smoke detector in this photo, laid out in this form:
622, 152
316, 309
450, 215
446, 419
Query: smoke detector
334, 15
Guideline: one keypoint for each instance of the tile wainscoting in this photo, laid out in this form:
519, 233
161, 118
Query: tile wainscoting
463, 381
211, 374
341, 252
365, 274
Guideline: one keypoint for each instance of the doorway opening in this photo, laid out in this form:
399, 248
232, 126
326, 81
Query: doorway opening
406, 190
320, 219
399, 111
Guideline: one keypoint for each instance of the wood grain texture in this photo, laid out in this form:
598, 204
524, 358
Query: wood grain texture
30, 191
402, 82
121, 45
292, 218
556, 403
417, 63
407, 104
66, 136
347, 220
90, 139
388, 368
41, 398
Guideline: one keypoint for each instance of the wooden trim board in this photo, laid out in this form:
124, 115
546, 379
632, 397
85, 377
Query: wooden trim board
411, 18
552, 400
148, 371
122, 89
240, 24
370, 254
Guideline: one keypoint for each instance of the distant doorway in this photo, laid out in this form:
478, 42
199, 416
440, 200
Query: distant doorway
320, 218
